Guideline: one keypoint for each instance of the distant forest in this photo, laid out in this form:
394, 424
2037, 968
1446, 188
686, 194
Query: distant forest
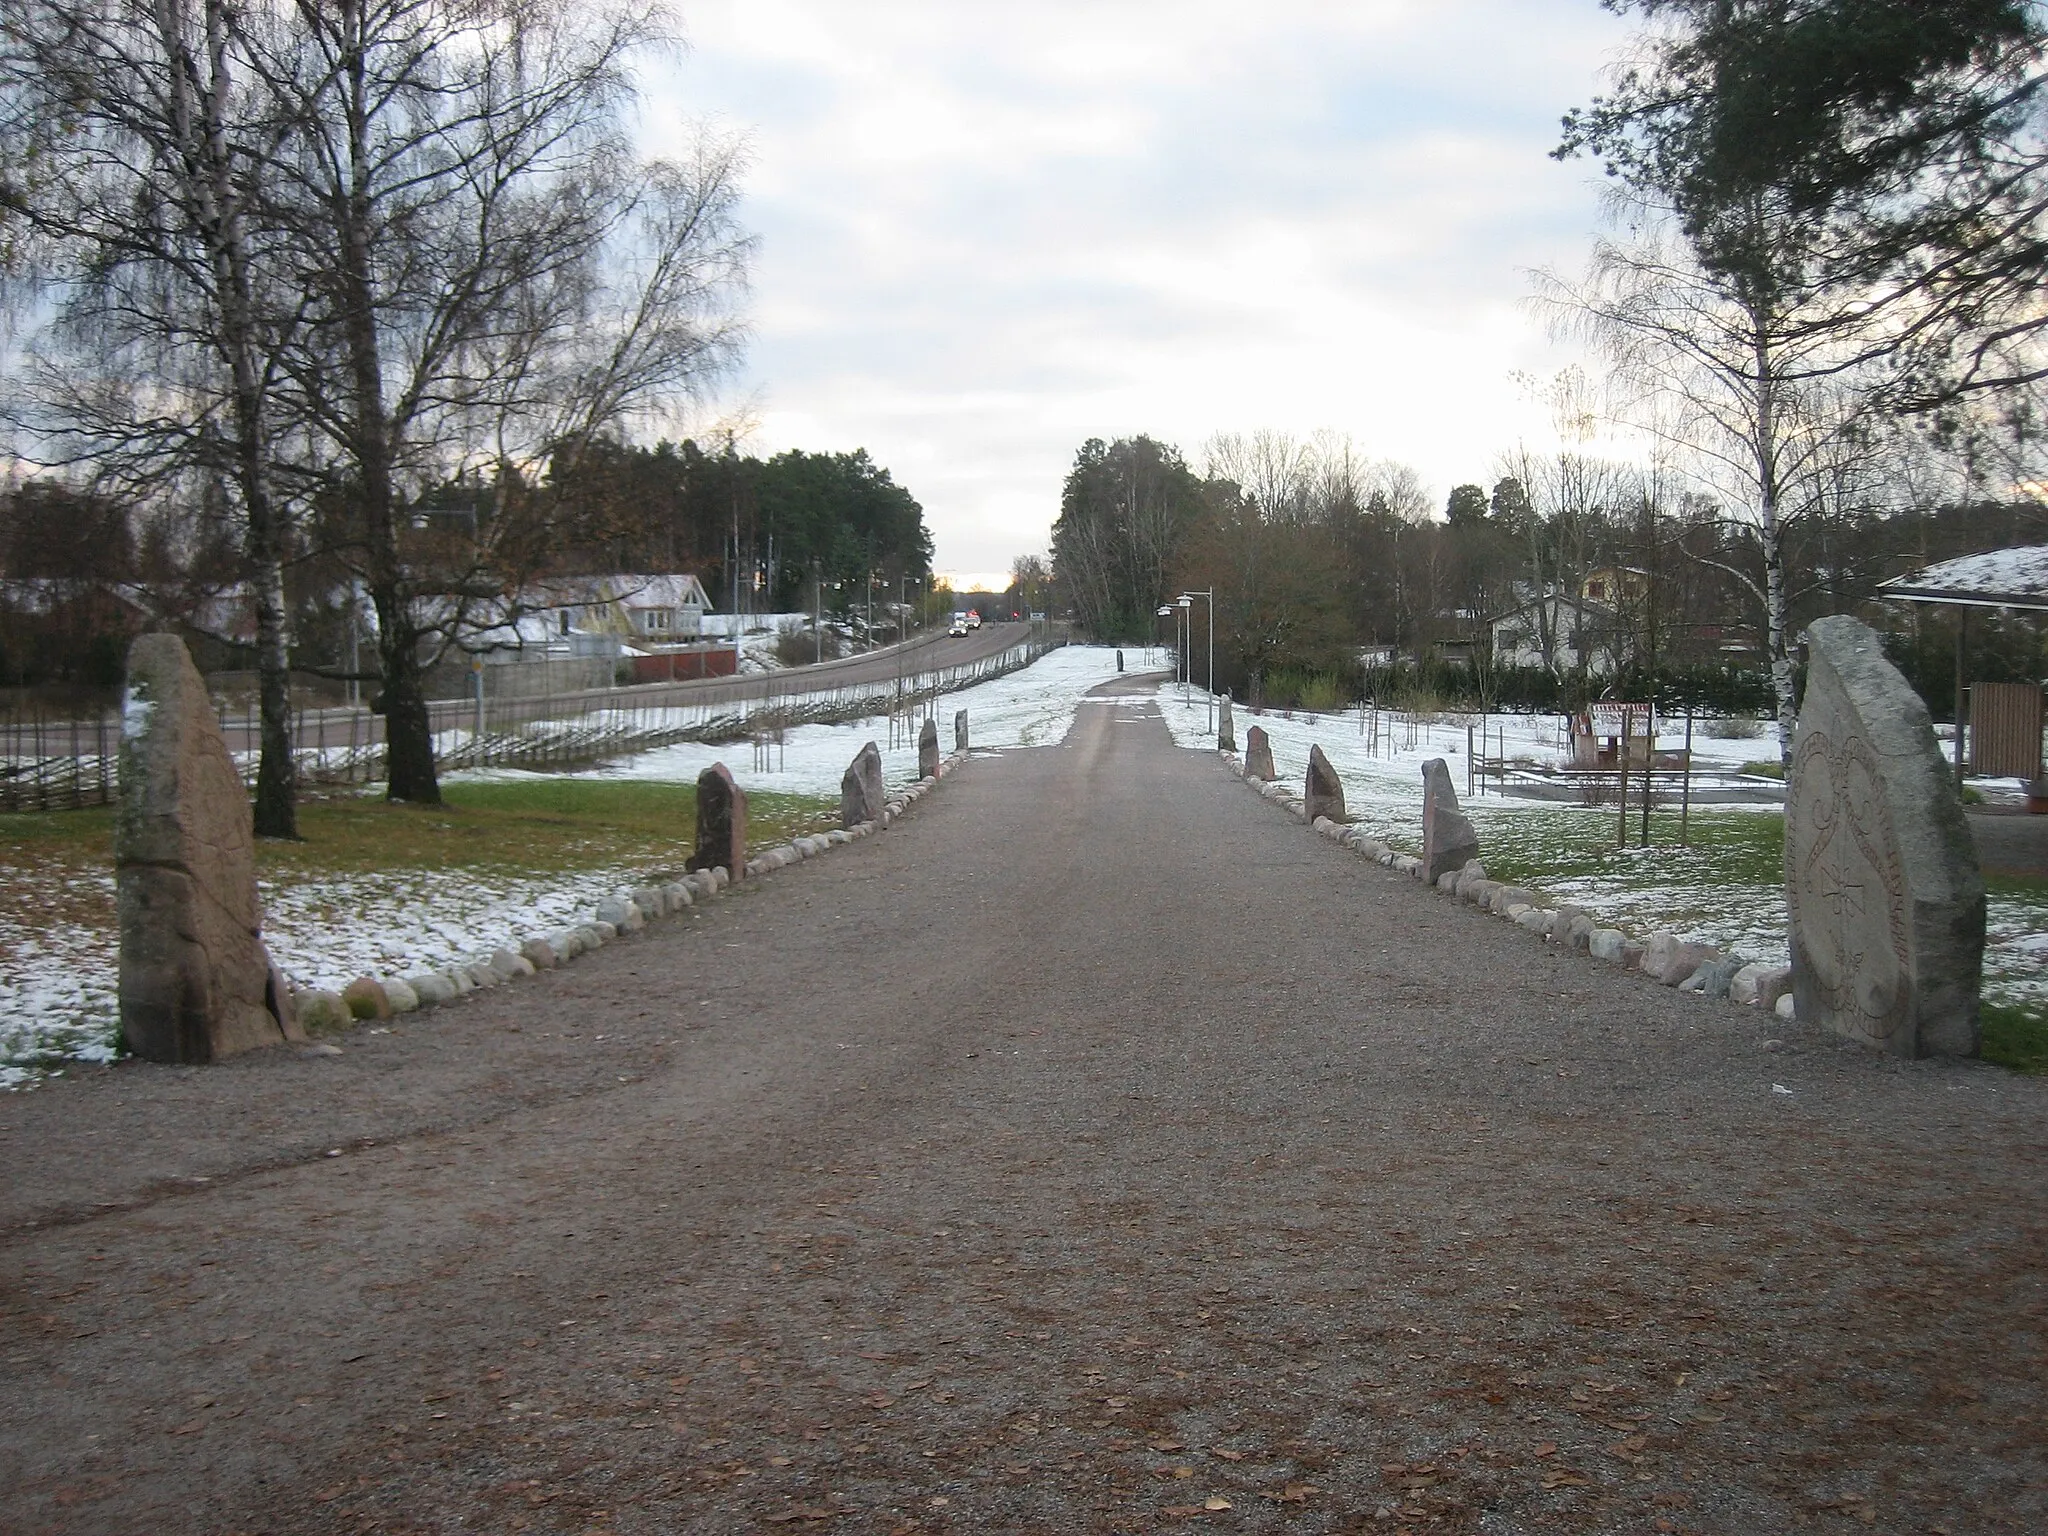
84, 570
1336, 574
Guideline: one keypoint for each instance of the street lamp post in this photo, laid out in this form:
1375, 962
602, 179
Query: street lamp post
1186, 598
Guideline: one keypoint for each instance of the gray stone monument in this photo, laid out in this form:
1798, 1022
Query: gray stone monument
721, 824
1119, 661
960, 730
196, 983
1881, 875
861, 796
1448, 838
1226, 726
1324, 793
1258, 755
928, 749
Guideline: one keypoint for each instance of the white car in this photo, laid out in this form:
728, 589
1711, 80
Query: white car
957, 627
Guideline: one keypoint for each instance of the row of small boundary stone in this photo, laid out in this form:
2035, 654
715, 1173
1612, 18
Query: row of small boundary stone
372, 997
1663, 956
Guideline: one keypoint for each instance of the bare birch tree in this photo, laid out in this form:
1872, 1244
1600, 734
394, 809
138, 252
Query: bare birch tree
1743, 383
493, 279
153, 142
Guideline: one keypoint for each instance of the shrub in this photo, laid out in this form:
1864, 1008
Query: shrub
797, 642
1734, 728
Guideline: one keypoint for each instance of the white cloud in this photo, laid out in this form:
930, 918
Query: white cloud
990, 232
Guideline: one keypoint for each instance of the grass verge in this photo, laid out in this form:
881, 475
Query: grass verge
60, 864
2015, 1035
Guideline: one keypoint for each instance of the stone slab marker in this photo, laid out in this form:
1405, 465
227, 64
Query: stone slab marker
928, 749
1881, 874
1258, 755
861, 796
1324, 792
960, 730
1226, 726
1448, 838
721, 824
196, 983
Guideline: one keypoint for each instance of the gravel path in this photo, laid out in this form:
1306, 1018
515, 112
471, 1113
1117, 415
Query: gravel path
1099, 1150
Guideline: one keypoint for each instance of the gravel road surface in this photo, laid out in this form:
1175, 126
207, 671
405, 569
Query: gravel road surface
1096, 1150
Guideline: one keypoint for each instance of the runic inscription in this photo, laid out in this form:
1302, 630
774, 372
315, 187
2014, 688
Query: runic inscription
1848, 891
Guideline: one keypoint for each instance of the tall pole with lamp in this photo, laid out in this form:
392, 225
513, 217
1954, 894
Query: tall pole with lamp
1186, 605
1210, 598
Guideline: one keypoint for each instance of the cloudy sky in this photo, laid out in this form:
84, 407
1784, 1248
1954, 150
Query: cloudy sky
991, 231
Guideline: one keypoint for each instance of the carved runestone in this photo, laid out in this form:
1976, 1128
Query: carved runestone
721, 824
1258, 755
1881, 874
1226, 727
1448, 838
960, 730
928, 749
861, 797
1324, 793
196, 983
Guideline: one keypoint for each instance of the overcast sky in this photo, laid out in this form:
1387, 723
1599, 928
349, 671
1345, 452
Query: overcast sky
991, 231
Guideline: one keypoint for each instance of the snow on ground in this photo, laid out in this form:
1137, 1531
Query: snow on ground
1709, 891
1031, 707
57, 979
57, 998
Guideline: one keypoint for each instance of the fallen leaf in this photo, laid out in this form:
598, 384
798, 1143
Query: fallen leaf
1166, 1446
192, 1428
1563, 1477
1226, 1455
1212, 1504
805, 1512
1293, 1493
1547, 1448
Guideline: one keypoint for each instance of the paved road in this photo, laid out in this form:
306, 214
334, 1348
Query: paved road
1095, 1149
344, 727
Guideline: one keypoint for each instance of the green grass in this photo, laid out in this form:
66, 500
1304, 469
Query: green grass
1724, 849
2015, 1035
523, 827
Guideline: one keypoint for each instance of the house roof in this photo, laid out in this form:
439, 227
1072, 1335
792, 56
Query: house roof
1998, 578
1564, 599
628, 589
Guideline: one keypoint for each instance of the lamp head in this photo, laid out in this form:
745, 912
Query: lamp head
1184, 601
1166, 610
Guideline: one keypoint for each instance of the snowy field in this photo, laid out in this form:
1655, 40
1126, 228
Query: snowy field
57, 945
57, 977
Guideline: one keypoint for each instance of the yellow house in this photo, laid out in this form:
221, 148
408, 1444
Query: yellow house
1621, 587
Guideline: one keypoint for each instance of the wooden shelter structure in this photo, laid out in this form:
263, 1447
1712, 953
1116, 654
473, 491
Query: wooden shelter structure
2003, 719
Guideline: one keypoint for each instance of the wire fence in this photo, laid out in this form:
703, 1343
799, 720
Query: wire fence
49, 763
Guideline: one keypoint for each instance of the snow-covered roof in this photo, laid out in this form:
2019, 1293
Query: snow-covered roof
631, 590
1998, 578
